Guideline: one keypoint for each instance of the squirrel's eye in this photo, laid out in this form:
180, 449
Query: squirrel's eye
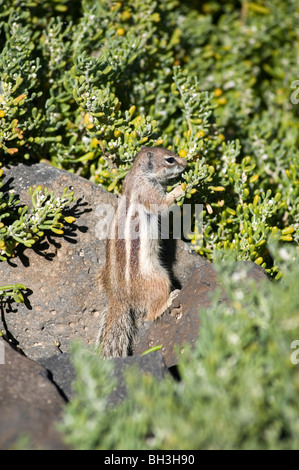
170, 160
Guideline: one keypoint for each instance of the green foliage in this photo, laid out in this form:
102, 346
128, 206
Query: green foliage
238, 388
19, 77
85, 87
94, 379
14, 291
19, 224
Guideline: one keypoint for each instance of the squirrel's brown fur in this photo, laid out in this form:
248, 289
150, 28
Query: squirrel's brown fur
133, 277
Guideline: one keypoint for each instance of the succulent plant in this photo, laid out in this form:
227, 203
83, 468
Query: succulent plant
86, 90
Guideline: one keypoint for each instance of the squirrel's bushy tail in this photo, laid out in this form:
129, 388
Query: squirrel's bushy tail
116, 338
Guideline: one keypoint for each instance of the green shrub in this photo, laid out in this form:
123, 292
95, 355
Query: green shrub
85, 87
238, 387
20, 224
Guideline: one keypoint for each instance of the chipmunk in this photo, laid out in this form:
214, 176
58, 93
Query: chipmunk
137, 284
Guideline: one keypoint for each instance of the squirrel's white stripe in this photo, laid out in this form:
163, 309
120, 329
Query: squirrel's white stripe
149, 243
112, 252
128, 244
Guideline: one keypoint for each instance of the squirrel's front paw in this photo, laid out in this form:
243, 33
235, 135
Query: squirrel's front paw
177, 192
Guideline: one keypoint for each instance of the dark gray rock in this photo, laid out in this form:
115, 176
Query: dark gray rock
63, 374
61, 371
30, 404
151, 363
61, 272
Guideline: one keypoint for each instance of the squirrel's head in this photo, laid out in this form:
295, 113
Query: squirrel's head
160, 164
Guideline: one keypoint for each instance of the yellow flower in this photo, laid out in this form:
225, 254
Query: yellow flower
125, 16
222, 101
218, 92
88, 121
120, 31
94, 142
200, 134
70, 219
287, 230
19, 98
253, 178
12, 151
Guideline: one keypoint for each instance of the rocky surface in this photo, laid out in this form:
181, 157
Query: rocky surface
63, 303
61, 371
62, 300
152, 363
30, 404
